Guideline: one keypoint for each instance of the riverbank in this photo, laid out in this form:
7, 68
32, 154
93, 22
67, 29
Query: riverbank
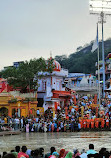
4, 133
66, 140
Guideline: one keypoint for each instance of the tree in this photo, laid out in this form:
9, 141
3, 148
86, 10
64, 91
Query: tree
83, 60
50, 65
25, 76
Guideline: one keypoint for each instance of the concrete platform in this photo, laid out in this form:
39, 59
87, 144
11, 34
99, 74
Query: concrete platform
4, 133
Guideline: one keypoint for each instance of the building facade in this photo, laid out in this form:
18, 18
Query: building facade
107, 71
82, 83
51, 90
13, 103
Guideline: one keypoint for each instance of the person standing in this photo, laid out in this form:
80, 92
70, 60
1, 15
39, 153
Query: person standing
38, 112
16, 121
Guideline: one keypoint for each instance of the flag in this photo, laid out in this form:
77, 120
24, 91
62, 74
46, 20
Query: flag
2, 87
96, 43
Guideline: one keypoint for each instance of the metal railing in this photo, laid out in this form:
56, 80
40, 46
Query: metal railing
83, 86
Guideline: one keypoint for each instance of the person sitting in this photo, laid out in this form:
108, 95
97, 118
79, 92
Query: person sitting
91, 149
28, 152
69, 155
104, 153
52, 149
23, 153
4, 153
10, 155
76, 153
83, 154
36, 153
17, 149
41, 152
61, 153
56, 154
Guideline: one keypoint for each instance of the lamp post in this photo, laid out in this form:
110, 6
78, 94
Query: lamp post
98, 69
102, 8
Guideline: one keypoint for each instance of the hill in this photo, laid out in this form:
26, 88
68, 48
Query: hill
83, 60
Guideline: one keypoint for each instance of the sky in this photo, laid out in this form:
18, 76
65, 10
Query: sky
35, 28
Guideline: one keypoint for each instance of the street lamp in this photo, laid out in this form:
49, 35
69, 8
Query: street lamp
102, 8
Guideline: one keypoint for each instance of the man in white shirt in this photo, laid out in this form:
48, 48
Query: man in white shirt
37, 119
16, 120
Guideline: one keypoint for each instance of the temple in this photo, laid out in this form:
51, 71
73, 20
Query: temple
52, 91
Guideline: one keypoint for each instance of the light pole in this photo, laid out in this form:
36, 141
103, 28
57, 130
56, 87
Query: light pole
102, 8
98, 67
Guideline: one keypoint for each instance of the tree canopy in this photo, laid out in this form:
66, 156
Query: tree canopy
25, 76
83, 60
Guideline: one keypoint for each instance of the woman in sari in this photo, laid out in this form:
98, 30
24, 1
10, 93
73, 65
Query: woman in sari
69, 155
61, 153
76, 153
65, 154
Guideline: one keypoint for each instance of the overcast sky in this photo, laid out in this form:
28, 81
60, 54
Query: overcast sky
32, 28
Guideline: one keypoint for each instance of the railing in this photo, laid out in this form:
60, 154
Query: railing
83, 87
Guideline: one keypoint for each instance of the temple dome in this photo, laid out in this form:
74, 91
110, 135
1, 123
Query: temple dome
57, 66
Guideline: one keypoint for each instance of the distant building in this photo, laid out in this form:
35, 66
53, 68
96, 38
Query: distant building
82, 83
13, 103
15, 64
107, 71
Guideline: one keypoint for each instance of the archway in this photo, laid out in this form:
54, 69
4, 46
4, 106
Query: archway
3, 111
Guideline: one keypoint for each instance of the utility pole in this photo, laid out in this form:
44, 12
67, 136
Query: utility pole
98, 68
101, 8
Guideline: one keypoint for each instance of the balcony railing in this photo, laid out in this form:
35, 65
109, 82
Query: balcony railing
87, 87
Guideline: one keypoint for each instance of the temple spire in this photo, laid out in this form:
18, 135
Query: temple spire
50, 54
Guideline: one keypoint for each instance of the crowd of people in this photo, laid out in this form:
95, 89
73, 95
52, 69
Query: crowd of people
81, 116
23, 152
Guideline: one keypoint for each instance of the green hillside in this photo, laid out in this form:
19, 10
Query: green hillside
83, 60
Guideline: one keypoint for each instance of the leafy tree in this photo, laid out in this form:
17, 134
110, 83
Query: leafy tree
50, 65
83, 61
62, 60
25, 76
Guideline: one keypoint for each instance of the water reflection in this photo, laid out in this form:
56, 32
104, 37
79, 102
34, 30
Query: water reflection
69, 141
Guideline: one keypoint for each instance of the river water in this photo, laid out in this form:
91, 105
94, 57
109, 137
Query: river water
68, 141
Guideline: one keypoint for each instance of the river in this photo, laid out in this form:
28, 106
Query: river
68, 141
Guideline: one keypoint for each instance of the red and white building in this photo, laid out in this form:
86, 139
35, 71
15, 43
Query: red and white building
51, 90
